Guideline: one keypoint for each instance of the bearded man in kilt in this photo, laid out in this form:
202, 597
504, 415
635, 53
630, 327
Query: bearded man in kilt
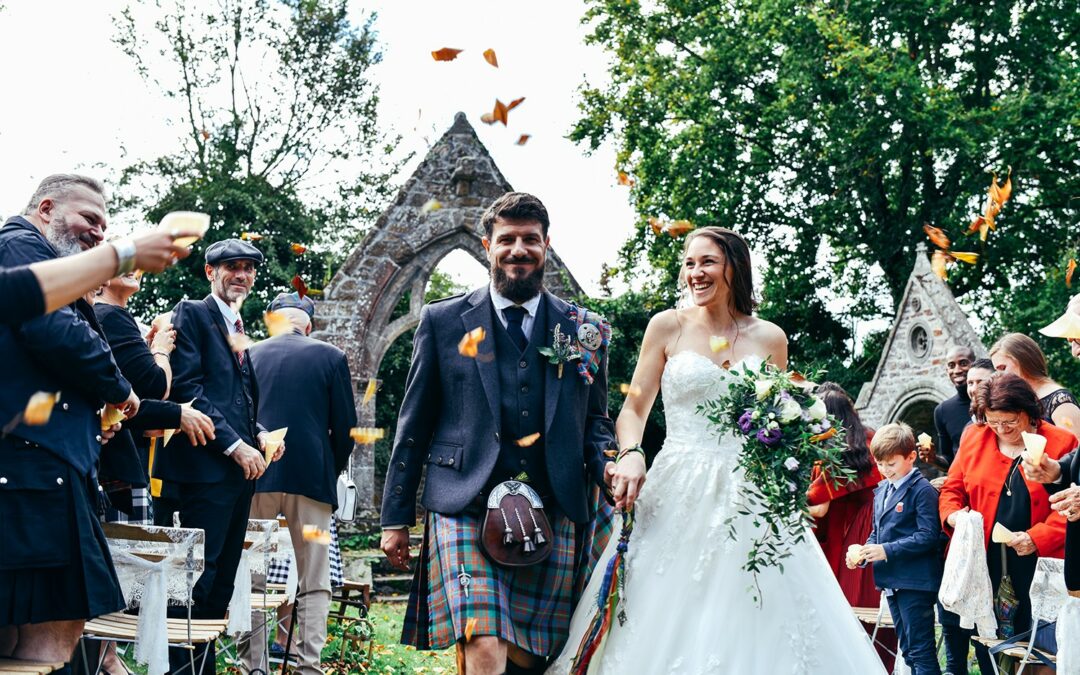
524, 400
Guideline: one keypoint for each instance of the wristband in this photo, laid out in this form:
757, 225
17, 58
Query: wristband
160, 353
125, 254
633, 448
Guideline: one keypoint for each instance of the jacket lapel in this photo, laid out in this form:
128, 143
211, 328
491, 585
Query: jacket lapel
553, 386
898, 494
479, 315
223, 328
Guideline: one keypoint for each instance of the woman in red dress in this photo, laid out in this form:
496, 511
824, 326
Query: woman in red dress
844, 514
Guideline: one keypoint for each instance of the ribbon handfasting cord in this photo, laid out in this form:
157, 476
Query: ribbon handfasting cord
610, 602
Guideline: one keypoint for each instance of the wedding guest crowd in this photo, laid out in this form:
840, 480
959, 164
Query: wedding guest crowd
66, 329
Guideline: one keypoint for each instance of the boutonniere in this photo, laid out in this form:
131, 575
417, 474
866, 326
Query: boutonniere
561, 351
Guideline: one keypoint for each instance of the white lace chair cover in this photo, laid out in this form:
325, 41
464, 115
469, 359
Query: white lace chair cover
1068, 638
965, 584
1048, 594
153, 575
285, 556
262, 535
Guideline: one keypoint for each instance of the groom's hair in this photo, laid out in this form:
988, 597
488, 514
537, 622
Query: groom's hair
892, 439
515, 206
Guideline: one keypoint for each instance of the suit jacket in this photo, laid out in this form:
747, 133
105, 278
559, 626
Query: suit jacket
1070, 471
978, 473
907, 527
451, 412
61, 352
206, 371
304, 384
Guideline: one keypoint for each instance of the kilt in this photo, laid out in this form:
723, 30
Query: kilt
529, 607
56, 564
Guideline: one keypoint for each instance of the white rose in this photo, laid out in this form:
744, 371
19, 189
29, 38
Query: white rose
791, 464
772, 425
755, 415
762, 389
789, 411
817, 410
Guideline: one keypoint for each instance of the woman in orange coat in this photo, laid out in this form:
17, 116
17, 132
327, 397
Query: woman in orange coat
844, 514
986, 476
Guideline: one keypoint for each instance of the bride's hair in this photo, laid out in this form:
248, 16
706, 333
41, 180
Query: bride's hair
736, 254
837, 402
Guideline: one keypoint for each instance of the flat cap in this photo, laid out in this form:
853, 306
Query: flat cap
294, 301
232, 249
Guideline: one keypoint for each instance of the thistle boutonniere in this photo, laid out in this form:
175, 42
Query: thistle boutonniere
561, 351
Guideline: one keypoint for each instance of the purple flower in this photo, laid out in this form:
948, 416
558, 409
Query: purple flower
746, 422
769, 437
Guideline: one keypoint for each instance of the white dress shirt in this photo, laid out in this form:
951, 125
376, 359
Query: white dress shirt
530, 306
230, 324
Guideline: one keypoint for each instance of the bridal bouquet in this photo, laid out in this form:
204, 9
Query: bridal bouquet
786, 434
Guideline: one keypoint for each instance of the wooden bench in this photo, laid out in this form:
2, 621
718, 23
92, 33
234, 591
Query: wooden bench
19, 667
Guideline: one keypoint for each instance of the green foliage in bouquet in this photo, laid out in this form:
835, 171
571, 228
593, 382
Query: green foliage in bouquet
787, 434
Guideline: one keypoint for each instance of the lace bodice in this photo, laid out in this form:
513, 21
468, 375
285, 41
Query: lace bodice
690, 379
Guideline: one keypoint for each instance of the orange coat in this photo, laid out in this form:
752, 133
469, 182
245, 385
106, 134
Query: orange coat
977, 476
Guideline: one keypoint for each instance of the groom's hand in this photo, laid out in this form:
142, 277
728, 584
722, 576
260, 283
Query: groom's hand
395, 546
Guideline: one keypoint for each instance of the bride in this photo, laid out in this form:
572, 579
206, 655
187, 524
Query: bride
689, 607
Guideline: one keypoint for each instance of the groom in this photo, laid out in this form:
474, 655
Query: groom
472, 422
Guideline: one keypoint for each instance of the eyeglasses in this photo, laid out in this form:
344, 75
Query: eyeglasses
1004, 425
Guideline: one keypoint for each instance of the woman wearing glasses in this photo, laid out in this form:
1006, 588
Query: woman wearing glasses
986, 477
1018, 354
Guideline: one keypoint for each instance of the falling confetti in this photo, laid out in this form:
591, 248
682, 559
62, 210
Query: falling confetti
523, 139
445, 54
625, 179
470, 342
367, 435
369, 393
489, 56
250, 236
527, 440
316, 535
718, 343
39, 408
430, 205
298, 249
277, 323
299, 285
629, 389
470, 628
1069, 270
240, 342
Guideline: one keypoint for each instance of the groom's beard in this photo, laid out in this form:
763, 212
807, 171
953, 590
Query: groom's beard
518, 290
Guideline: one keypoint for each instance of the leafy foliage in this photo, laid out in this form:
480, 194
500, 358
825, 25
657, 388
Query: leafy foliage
829, 132
279, 131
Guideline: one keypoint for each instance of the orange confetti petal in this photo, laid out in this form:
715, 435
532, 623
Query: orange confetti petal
679, 227
430, 205
487, 118
937, 263
110, 416
314, 534
39, 408
629, 389
657, 226
965, 257
937, 236
489, 56
626, 180
1069, 272
298, 249
366, 435
523, 138
470, 628
277, 323
369, 393
470, 343
528, 440
718, 343
726, 365
1005, 191
824, 436
515, 103
250, 236
500, 112
300, 286
445, 54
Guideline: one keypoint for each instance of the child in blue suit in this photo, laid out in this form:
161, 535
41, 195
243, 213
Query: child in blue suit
905, 545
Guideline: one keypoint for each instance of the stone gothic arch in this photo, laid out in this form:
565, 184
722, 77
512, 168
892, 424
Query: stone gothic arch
399, 256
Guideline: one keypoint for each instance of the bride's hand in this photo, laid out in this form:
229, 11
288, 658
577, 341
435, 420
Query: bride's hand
628, 479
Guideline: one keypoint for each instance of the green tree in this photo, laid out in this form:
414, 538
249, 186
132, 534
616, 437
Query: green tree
279, 133
829, 132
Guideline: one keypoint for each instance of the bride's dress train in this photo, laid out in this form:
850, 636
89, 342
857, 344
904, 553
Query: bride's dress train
689, 605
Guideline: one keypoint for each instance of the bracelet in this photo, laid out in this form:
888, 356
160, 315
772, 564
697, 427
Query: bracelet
125, 255
633, 448
160, 353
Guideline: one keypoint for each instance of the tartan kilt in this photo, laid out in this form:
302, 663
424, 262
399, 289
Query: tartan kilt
529, 607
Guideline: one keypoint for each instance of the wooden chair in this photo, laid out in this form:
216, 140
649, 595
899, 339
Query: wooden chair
179, 550
19, 667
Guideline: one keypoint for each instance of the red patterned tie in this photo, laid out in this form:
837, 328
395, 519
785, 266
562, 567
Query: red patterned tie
240, 330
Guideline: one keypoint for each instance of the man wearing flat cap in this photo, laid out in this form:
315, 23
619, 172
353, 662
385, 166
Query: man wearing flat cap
214, 483
306, 386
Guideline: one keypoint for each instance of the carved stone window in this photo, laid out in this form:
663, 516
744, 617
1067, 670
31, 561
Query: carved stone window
919, 342
916, 305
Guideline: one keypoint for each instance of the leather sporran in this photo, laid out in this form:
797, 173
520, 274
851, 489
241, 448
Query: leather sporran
516, 531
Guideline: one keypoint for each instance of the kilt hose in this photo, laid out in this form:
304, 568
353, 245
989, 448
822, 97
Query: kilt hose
529, 607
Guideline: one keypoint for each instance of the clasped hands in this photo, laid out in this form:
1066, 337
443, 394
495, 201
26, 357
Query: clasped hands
625, 477
251, 460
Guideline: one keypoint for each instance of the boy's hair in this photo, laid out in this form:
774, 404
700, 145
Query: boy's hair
892, 439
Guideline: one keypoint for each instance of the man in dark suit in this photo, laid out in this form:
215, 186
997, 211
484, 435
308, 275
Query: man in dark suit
475, 422
214, 482
55, 567
305, 385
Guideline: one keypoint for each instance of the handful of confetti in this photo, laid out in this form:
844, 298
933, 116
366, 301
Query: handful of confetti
1001, 534
1036, 447
274, 440
854, 555
925, 441
111, 415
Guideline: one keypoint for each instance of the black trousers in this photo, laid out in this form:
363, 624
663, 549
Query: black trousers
221, 510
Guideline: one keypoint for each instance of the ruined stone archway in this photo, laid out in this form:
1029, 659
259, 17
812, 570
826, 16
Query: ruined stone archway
399, 256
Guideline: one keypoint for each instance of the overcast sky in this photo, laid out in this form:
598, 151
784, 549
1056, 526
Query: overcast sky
72, 101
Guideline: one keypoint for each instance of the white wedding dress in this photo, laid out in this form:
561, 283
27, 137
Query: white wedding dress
689, 606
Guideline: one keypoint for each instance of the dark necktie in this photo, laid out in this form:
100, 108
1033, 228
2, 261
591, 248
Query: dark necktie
240, 330
889, 489
514, 316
